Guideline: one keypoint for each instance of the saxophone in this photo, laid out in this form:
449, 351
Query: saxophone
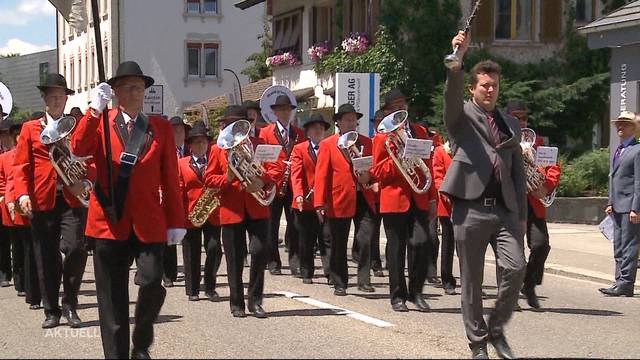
287, 171
206, 203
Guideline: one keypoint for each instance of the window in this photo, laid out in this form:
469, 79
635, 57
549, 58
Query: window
79, 72
193, 59
210, 6
43, 71
199, 7
513, 19
322, 25
106, 60
71, 80
288, 33
210, 59
360, 16
202, 59
193, 6
585, 10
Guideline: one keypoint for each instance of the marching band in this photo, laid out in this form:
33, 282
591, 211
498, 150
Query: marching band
174, 185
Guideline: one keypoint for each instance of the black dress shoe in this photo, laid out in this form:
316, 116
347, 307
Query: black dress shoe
378, 273
532, 298
72, 317
34, 307
366, 288
168, 283
433, 280
340, 292
421, 303
618, 291
329, 281
603, 290
479, 352
238, 313
51, 321
307, 281
194, 298
450, 291
213, 296
399, 307
22, 294
275, 272
502, 348
140, 354
4, 283
258, 311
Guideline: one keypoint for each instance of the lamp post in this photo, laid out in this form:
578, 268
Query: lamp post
238, 80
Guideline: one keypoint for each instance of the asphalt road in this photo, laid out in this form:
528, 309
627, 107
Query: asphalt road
308, 321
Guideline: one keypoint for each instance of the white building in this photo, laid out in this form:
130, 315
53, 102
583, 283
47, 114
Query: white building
183, 44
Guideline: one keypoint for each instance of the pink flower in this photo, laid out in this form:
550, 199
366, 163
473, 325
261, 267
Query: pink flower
355, 44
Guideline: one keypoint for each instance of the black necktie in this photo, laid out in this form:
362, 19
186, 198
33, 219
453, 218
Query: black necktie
201, 161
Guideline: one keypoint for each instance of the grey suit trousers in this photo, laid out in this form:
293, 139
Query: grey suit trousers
626, 237
474, 225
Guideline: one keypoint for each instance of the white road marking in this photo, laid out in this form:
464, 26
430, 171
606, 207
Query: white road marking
340, 311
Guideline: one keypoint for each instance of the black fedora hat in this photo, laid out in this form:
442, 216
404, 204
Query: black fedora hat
198, 129
176, 120
130, 68
283, 100
55, 81
250, 104
233, 113
345, 109
391, 96
316, 118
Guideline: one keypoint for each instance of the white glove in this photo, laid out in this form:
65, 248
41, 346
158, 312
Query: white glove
174, 236
102, 97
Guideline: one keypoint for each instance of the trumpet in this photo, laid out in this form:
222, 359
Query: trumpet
235, 139
413, 169
535, 178
71, 170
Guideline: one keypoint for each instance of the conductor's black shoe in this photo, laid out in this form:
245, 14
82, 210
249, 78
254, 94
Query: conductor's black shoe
602, 290
618, 291
399, 307
22, 294
213, 296
194, 298
140, 354
307, 281
340, 291
479, 352
366, 288
378, 273
502, 348
258, 311
421, 303
50, 322
532, 298
275, 272
238, 313
72, 317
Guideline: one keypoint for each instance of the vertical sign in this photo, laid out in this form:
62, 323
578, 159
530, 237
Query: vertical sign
362, 90
153, 100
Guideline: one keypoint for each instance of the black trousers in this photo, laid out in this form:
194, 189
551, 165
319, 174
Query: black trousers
448, 247
170, 265
434, 247
57, 231
5, 254
18, 259
376, 259
538, 242
407, 233
111, 264
233, 240
191, 255
312, 236
31, 284
291, 233
338, 267
365, 224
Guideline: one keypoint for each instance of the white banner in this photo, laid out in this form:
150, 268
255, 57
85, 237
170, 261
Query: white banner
362, 90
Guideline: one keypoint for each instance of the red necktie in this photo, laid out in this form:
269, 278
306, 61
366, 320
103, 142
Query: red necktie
496, 140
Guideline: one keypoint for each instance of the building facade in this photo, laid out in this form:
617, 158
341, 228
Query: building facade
185, 45
21, 74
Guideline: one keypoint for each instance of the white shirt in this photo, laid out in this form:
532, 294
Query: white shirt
315, 147
281, 129
49, 119
195, 160
127, 118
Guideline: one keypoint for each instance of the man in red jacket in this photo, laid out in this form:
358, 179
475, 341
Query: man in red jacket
537, 233
303, 169
191, 170
57, 218
143, 160
240, 212
285, 134
341, 196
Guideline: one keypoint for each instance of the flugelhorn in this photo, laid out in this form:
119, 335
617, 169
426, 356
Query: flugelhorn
71, 170
453, 60
235, 139
413, 169
535, 178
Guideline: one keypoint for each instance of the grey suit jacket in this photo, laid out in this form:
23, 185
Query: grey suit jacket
472, 164
624, 181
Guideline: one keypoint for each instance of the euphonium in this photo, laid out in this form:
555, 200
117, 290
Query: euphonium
235, 139
535, 178
71, 170
206, 203
413, 169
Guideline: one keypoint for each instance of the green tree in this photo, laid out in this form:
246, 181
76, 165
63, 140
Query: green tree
258, 68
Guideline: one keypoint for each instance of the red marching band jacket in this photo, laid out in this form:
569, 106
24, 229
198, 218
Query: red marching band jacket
156, 168
191, 187
441, 161
303, 169
7, 190
335, 187
268, 136
552, 175
395, 192
235, 202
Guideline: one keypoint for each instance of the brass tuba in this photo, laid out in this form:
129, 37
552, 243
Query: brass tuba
534, 177
72, 170
393, 125
235, 139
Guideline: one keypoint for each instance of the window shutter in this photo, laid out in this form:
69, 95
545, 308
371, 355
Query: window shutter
551, 21
482, 28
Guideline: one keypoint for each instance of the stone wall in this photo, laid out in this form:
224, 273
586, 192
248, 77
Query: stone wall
585, 210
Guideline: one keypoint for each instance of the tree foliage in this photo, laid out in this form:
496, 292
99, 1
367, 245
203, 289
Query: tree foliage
258, 68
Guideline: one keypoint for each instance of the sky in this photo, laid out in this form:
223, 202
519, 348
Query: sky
26, 26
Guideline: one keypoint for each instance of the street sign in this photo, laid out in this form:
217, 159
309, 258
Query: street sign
362, 90
153, 100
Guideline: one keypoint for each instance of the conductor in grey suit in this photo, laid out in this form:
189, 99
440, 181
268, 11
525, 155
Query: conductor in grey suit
486, 183
624, 205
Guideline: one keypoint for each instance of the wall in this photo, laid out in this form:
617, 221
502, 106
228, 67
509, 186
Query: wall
21, 74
